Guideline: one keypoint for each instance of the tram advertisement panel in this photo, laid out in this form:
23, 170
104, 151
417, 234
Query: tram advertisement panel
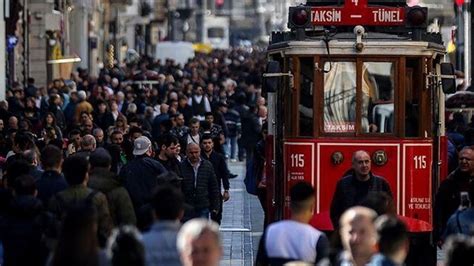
298, 166
416, 196
406, 166
336, 161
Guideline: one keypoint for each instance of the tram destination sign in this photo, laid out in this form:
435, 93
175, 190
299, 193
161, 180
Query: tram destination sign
357, 12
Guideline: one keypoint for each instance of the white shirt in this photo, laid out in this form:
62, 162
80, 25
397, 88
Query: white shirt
292, 240
195, 169
198, 99
193, 139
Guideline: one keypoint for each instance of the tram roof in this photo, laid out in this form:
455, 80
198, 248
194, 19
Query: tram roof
346, 47
370, 2
340, 43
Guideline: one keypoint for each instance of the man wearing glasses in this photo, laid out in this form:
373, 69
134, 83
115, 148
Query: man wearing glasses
448, 197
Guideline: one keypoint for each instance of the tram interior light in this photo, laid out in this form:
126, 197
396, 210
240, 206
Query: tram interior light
299, 17
416, 16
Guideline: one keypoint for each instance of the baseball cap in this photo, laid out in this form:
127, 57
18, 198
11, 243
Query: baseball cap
141, 145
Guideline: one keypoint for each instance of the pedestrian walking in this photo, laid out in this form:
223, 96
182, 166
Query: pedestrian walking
140, 175
199, 243
222, 172
160, 241
199, 184
294, 239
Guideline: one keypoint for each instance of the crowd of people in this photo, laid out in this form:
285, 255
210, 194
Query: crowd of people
367, 229
130, 168
103, 170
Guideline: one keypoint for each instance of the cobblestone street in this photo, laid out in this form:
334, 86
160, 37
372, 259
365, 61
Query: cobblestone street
242, 222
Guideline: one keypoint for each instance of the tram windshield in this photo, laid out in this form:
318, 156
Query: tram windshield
376, 104
340, 97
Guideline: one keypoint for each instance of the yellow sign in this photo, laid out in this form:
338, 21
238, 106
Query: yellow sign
56, 53
202, 48
451, 47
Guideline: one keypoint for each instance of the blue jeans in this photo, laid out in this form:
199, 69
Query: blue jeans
202, 213
195, 213
231, 147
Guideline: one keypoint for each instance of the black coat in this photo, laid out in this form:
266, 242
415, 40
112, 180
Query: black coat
104, 121
206, 193
50, 183
448, 199
140, 178
350, 192
220, 168
22, 230
59, 115
251, 130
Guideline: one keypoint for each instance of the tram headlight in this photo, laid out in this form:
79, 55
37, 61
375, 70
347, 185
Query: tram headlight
299, 17
379, 158
337, 158
416, 16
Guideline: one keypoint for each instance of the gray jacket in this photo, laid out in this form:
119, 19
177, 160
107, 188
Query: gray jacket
160, 244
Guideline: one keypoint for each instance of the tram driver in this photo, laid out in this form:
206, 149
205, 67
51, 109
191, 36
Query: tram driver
353, 188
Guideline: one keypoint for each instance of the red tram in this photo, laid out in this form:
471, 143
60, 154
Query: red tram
364, 75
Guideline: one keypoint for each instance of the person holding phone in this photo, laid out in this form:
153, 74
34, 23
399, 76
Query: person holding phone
462, 221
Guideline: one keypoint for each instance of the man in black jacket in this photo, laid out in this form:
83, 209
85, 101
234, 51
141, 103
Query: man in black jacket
352, 189
220, 168
448, 197
168, 144
140, 175
23, 226
199, 184
251, 129
52, 180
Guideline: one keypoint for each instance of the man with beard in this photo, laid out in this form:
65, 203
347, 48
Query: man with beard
220, 168
448, 197
354, 188
180, 129
168, 152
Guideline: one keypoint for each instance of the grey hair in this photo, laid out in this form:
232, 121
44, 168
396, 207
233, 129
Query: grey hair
88, 141
195, 228
132, 108
97, 130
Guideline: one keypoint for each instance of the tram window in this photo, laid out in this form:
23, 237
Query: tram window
305, 106
287, 100
412, 99
340, 97
377, 110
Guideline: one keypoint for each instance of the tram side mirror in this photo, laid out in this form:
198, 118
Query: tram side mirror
448, 78
272, 76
